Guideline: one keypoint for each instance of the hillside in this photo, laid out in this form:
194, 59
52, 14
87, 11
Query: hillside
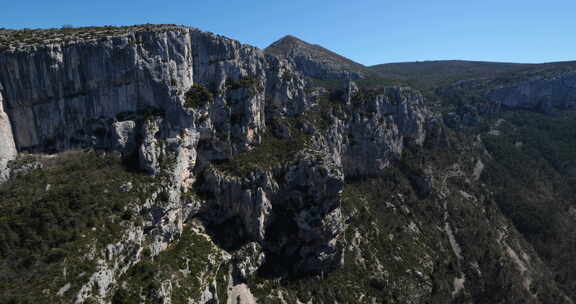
315, 61
429, 74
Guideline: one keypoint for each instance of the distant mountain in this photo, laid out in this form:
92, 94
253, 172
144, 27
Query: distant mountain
425, 74
315, 61
432, 74
541, 87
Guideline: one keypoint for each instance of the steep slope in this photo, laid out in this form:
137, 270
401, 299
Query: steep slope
527, 121
170, 165
315, 61
534, 179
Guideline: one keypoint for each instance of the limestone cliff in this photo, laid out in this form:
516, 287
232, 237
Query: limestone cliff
136, 92
231, 179
7, 147
542, 93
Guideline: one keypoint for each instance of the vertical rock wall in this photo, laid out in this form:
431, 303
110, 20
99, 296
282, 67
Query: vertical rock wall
7, 147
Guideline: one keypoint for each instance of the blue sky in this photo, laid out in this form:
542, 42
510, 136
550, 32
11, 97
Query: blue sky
368, 31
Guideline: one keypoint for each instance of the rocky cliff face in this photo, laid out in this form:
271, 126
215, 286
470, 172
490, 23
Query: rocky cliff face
60, 96
139, 92
252, 185
7, 147
543, 88
543, 93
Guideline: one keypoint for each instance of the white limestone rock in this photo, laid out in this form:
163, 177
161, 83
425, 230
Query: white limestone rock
7, 147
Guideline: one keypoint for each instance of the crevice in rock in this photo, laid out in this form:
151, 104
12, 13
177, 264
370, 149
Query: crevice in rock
229, 235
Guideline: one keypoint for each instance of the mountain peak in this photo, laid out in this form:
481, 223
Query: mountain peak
290, 38
286, 44
314, 60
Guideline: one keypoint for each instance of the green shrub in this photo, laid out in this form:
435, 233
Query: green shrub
198, 96
271, 152
244, 83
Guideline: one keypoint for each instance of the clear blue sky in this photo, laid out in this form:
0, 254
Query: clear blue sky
368, 31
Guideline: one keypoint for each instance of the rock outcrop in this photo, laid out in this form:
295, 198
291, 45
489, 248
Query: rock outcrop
64, 96
543, 93
7, 148
373, 129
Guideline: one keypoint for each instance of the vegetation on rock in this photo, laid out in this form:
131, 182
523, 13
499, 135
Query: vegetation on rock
188, 266
197, 96
30, 37
53, 215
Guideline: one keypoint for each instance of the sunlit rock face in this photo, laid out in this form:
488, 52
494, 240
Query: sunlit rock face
7, 147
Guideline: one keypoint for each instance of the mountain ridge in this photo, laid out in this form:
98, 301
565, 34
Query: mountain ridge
320, 63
